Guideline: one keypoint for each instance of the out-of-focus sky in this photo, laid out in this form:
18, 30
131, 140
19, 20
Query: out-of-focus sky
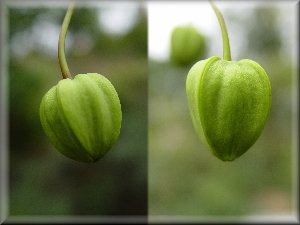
164, 16
118, 17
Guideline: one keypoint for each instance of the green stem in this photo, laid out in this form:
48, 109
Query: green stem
226, 45
61, 43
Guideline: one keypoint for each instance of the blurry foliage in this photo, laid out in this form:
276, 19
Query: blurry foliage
266, 31
184, 177
84, 20
21, 19
135, 42
44, 182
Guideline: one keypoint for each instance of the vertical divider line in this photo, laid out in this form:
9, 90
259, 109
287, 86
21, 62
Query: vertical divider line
4, 81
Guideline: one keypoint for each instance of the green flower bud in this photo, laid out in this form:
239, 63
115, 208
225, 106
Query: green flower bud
82, 117
229, 104
229, 101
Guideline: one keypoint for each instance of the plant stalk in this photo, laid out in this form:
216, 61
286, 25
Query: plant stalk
61, 43
226, 45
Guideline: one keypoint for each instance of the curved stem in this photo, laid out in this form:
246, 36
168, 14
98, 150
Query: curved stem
61, 43
226, 45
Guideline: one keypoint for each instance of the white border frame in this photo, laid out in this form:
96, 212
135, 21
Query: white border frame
4, 156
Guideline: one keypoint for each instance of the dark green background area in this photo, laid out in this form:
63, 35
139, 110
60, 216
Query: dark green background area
44, 182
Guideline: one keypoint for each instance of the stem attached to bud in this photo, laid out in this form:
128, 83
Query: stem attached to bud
226, 45
61, 43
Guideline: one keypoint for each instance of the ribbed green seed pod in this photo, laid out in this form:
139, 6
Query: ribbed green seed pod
229, 104
82, 117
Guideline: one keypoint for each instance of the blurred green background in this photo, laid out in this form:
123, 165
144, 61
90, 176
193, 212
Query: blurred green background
185, 179
110, 39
